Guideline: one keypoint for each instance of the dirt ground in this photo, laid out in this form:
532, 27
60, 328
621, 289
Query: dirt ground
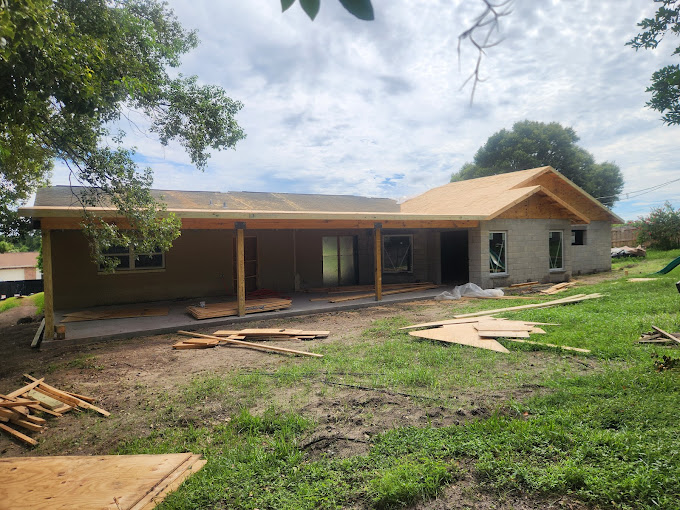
133, 378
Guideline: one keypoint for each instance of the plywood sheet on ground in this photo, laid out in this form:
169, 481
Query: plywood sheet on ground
114, 482
464, 334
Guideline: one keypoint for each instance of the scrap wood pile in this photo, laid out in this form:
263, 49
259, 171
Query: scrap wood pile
530, 287
19, 407
558, 287
349, 293
213, 310
238, 338
659, 336
481, 329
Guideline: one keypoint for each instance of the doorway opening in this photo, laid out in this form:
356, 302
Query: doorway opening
455, 262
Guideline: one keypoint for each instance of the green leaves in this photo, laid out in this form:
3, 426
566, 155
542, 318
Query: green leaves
361, 9
665, 86
311, 7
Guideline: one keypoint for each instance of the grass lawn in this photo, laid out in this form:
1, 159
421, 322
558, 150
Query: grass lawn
608, 438
37, 300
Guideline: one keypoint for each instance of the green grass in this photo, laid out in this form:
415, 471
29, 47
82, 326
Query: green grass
12, 302
609, 438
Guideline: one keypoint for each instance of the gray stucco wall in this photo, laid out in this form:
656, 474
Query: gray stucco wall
595, 255
527, 252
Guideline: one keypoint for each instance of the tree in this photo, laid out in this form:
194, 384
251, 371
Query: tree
534, 144
362, 9
69, 70
661, 228
665, 86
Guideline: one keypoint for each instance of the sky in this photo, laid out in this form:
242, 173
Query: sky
343, 106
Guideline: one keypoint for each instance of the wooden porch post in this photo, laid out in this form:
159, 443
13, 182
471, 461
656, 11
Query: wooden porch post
378, 261
48, 284
240, 269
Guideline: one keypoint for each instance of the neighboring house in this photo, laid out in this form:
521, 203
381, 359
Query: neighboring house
494, 231
18, 266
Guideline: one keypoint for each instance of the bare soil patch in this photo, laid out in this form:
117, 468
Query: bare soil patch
137, 380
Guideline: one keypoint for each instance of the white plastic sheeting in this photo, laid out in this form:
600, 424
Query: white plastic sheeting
469, 290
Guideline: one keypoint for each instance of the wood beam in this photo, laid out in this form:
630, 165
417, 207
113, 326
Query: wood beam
48, 285
378, 262
217, 224
240, 272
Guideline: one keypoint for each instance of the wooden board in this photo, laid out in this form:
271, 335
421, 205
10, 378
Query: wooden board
116, 313
384, 293
45, 400
449, 321
493, 325
230, 308
464, 334
545, 304
111, 482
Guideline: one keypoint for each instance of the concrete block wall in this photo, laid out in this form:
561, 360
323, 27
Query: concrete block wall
595, 255
527, 255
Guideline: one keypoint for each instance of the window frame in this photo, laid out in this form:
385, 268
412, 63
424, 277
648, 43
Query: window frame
386, 270
504, 233
584, 236
561, 252
132, 258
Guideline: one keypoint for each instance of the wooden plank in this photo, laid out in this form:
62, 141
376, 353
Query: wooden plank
116, 313
172, 486
491, 325
25, 389
18, 435
450, 321
502, 334
545, 304
48, 285
37, 338
252, 345
565, 347
666, 334
527, 284
10, 403
44, 400
111, 482
81, 397
464, 334
174, 479
240, 273
377, 250
66, 398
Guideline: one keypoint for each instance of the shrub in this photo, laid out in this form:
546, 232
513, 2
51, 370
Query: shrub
661, 228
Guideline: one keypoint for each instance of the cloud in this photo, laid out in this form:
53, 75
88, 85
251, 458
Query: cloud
376, 108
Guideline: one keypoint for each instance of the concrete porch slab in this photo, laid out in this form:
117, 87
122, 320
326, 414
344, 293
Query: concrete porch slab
83, 332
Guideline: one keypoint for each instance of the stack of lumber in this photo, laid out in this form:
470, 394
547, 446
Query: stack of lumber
115, 313
483, 332
212, 310
659, 336
558, 287
112, 482
368, 291
201, 341
19, 407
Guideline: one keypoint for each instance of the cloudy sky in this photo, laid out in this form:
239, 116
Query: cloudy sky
344, 106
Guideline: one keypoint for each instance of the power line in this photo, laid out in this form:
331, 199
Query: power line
643, 191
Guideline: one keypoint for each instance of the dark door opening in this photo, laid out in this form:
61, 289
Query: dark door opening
455, 263
339, 260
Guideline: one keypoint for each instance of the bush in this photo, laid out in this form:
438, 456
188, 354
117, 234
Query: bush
661, 228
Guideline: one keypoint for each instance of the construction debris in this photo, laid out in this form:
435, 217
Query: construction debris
559, 287
483, 332
659, 336
564, 301
19, 407
198, 341
123, 482
212, 310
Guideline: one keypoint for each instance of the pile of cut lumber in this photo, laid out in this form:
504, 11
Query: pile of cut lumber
237, 338
483, 332
368, 291
212, 310
659, 336
19, 407
558, 287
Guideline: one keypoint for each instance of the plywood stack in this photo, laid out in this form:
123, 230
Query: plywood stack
19, 407
483, 332
112, 482
558, 287
227, 309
